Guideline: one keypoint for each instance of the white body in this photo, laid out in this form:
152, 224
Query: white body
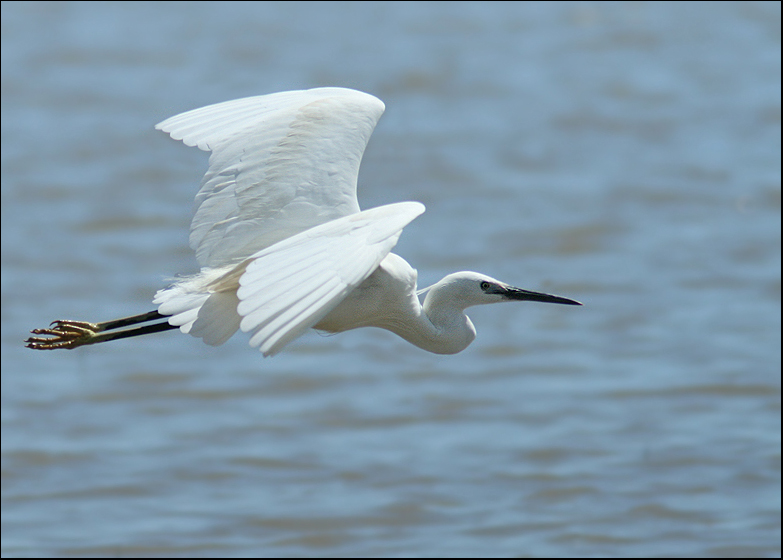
387, 299
282, 242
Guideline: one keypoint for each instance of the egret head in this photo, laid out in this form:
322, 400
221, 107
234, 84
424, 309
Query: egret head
465, 289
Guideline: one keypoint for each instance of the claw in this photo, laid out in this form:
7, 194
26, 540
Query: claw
61, 324
65, 334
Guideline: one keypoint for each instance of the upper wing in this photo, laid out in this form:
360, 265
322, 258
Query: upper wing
280, 164
290, 286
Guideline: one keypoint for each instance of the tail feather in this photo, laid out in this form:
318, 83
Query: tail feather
211, 316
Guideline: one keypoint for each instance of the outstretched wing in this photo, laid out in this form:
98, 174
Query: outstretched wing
290, 286
280, 164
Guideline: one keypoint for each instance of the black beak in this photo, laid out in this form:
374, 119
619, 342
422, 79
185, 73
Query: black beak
526, 295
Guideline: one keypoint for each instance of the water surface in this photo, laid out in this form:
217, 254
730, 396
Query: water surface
623, 154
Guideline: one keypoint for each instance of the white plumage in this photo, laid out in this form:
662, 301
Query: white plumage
280, 164
282, 243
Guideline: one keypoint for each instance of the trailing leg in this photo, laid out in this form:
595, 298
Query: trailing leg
72, 334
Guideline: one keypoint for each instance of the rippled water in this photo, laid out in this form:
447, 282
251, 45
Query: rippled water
626, 155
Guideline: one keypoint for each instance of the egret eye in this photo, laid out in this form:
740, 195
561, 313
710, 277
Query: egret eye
485, 285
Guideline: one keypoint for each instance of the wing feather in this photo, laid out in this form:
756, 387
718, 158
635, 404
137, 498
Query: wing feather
280, 164
279, 300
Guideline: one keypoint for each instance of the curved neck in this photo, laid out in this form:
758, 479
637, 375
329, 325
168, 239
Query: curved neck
440, 326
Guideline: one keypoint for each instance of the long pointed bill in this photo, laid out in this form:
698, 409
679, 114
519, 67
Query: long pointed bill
526, 295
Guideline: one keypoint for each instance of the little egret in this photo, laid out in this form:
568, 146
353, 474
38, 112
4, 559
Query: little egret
282, 243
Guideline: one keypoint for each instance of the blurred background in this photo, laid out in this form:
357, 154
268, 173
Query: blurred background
623, 154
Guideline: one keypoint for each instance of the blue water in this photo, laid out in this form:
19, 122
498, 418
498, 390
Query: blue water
623, 154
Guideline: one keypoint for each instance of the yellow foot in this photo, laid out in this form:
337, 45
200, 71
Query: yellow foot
66, 334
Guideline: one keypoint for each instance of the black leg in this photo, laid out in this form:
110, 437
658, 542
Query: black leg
134, 320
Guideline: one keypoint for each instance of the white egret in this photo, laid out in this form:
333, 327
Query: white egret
282, 243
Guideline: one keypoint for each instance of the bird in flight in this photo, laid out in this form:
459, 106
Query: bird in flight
282, 243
